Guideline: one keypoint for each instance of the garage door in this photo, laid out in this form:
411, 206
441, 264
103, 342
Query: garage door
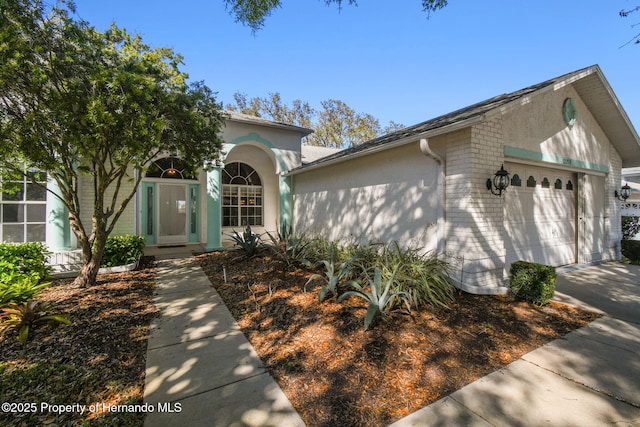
540, 216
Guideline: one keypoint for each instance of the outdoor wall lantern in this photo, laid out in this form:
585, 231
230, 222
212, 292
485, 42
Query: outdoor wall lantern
499, 183
624, 193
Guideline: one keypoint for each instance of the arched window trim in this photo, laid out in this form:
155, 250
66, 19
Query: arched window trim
242, 196
170, 168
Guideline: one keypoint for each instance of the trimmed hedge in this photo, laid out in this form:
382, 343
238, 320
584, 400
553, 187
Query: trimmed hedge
631, 250
122, 250
532, 282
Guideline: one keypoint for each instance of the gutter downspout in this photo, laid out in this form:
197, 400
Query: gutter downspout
440, 190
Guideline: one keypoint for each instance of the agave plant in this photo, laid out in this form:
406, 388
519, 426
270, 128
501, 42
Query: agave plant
380, 298
333, 275
248, 241
27, 315
288, 248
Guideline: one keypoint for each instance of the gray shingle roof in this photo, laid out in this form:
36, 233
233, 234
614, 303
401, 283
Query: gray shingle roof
452, 118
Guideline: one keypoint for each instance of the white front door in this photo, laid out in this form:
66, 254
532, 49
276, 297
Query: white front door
172, 213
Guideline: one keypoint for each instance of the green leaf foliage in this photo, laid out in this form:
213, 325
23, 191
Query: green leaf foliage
22, 267
532, 282
24, 258
630, 227
253, 13
80, 102
19, 288
123, 250
23, 317
631, 250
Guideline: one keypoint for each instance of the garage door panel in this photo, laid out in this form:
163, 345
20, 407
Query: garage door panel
540, 220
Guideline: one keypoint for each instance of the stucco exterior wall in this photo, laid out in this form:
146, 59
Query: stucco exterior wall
381, 197
286, 142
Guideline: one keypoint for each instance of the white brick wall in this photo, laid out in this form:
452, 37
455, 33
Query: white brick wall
474, 231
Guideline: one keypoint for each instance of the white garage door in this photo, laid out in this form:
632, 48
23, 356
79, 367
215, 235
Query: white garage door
540, 216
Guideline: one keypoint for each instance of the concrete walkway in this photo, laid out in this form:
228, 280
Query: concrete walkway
199, 359
591, 377
201, 370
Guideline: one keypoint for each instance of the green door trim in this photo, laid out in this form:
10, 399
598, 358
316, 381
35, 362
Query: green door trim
149, 220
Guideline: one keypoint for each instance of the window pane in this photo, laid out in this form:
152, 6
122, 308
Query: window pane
36, 213
15, 191
12, 213
36, 193
13, 233
36, 233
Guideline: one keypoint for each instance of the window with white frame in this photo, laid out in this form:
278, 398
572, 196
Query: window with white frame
23, 208
241, 196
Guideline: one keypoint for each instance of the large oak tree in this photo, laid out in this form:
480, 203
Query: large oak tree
81, 104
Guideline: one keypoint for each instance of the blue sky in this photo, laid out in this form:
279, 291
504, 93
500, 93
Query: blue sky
386, 58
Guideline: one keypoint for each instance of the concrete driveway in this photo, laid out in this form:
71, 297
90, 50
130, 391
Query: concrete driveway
611, 288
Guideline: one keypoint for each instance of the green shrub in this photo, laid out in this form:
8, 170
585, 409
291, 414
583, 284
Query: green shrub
532, 282
630, 227
24, 258
122, 250
631, 250
423, 277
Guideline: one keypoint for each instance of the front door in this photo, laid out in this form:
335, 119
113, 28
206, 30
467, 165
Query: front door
172, 213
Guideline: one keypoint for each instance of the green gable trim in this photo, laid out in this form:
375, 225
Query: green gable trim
257, 138
521, 153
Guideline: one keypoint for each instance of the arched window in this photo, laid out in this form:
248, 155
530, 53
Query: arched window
516, 181
170, 167
241, 196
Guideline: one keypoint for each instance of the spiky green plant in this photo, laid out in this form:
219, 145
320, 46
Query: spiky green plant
423, 277
27, 315
335, 272
288, 248
380, 297
248, 241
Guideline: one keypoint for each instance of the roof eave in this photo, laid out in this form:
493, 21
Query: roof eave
378, 148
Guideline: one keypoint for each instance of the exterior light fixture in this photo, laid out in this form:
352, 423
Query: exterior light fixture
624, 193
499, 183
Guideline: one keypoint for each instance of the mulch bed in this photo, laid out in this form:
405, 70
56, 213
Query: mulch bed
336, 374
100, 359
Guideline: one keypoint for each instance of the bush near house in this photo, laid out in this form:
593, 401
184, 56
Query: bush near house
122, 250
630, 227
532, 282
22, 267
24, 258
631, 250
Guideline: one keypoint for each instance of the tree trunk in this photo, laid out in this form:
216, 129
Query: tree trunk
92, 258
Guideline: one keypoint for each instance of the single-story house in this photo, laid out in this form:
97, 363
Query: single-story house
562, 142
